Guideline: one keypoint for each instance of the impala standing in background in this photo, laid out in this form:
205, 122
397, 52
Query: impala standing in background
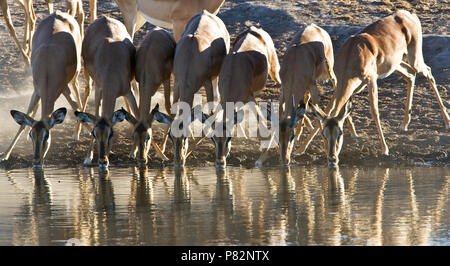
170, 14
391, 44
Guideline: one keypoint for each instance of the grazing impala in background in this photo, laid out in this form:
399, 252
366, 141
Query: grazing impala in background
171, 14
392, 44
198, 59
244, 72
74, 8
55, 61
154, 65
109, 58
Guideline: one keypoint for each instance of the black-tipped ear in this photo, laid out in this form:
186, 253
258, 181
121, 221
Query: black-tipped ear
21, 118
161, 117
118, 116
85, 117
57, 117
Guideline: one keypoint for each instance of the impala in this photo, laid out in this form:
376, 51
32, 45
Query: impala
74, 9
391, 44
55, 61
244, 72
109, 58
198, 59
154, 65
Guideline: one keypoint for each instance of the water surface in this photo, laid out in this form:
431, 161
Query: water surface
201, 206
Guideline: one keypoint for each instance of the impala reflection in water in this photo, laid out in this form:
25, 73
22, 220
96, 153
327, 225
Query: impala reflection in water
232, 206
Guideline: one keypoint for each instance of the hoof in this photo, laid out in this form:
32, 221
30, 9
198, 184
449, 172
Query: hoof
132, 155
404, 128
355, 136
76, 137
386, 152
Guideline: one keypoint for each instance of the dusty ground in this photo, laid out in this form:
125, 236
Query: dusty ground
425, 142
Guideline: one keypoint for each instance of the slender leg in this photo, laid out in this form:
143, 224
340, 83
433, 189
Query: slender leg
97, 102
87, 89
167, 103
50, 6
93, 8
409, 76
427, 73
132, 101
31, 16
351, 125
168, 110
215, 86
31, 109
12, 31
373, 97
76, 107
209, 91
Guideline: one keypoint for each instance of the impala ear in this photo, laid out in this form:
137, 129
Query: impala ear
345, 111
317, 112
85, 117
118, 116
161, 117
21, 118
57, 117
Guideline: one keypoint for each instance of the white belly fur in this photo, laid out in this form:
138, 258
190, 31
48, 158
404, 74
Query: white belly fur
157, 22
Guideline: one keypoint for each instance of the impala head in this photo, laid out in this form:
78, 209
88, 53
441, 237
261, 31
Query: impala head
142, 135
222, 143
180, 141
286, 132
332, 132
102, 132
40, 132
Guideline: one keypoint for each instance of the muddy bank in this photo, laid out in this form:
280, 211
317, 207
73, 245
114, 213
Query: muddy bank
426, 142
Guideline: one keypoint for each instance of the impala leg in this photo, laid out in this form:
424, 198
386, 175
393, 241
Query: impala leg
351, 126
427, 73
97, 103
50, 6
373, 97
93, 9
76, 107
209, 91
87, 89
32, 107
12, 31
33, 113
168, 107
133, 104
167, 102
31, 18
215, 87
265, 154
409, 76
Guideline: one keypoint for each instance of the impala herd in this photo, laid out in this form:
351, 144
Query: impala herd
200, 54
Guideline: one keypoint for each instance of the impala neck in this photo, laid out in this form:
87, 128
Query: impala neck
214, 5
